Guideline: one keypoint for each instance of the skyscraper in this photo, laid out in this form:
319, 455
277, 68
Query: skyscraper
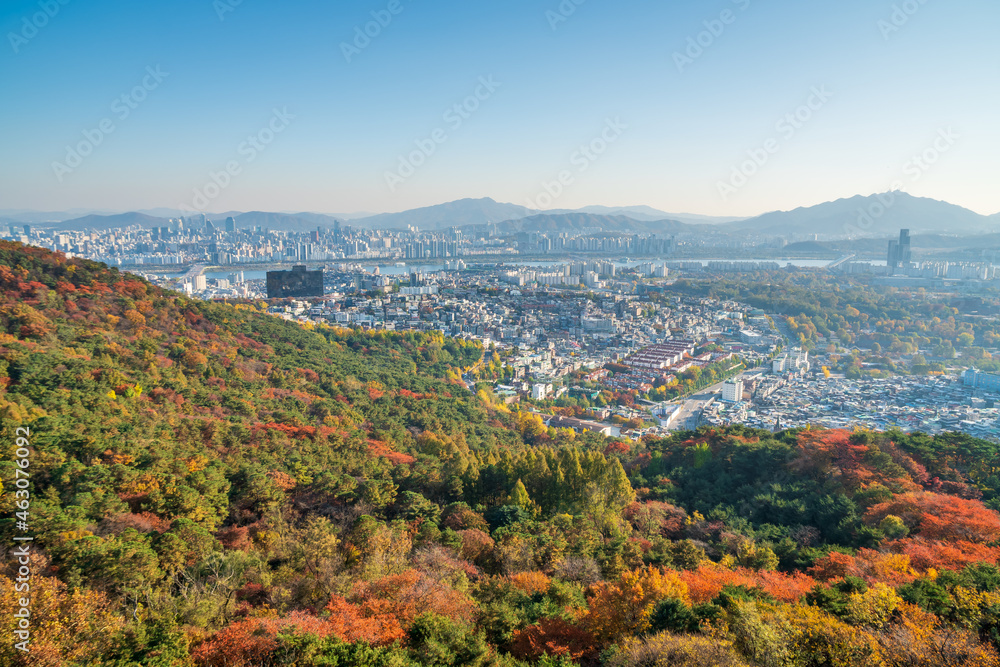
230, 224
898, 255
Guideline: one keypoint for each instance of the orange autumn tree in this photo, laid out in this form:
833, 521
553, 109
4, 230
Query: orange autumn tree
939, 517
927, 554
784, 587
531, 582
352, 623
708, 580
252, 641
870, 565
622, 608
407, 595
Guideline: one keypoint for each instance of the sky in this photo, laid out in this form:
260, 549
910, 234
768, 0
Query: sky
721, 107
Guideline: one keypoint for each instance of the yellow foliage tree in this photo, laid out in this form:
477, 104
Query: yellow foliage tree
818, 638
874, 607
623, 608
67, 627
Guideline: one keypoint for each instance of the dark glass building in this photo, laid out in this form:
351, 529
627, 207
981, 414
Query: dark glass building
295, 283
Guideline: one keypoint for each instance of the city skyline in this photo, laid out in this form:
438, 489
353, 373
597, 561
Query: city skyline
552, 106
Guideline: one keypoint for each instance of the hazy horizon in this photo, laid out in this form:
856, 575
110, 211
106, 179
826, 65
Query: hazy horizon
357, 215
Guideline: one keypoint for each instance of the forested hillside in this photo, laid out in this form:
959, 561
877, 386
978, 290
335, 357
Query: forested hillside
214, 486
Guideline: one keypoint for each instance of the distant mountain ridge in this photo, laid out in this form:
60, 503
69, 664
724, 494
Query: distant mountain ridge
875, 215
880, 215
23, 216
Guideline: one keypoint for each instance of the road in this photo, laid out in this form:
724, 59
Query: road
782, 324
195, 270
691, 408
690, 416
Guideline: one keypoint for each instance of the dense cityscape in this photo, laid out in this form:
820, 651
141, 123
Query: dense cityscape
602, 337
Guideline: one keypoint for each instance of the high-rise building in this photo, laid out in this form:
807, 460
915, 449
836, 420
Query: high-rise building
230, 224
732, 391
898, 255
295, 283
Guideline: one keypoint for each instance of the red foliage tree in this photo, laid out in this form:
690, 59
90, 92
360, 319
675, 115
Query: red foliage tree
925, 554
709, 579
250, 642
371, 624
834, 566
379, 448
939, 517
555, 637
235, 537
405, 596
833, 453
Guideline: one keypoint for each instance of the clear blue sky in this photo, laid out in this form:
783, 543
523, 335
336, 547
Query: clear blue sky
687, 127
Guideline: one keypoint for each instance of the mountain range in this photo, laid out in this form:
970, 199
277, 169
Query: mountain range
877, 215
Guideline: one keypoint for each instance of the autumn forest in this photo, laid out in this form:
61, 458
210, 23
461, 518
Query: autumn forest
212, 486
